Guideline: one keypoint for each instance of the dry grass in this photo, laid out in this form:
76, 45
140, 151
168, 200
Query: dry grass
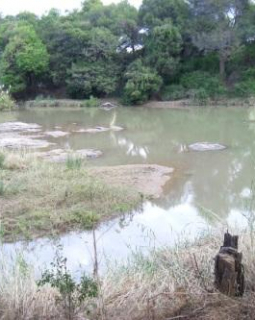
39, 198
168, 284
20, 298
177, 283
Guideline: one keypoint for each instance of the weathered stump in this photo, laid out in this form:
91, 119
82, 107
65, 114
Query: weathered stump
229, 271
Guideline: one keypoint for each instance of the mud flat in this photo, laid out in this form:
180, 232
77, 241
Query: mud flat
149, 180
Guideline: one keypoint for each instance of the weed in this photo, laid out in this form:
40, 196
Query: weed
72, 294
2, 158
74, 163
2, 188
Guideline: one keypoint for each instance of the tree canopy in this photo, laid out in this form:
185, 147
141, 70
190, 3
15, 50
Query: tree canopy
115, 49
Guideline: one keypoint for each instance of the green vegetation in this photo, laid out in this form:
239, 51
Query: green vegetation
169, 281
164, 50
40, 198
73, 294
6, 101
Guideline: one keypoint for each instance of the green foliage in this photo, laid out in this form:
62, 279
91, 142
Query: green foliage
199, 96
91, 51
163, 48
203, 83
142, 83
24, 58
6, 101
2, 159
73, 294
73, 163
2, 188
92, 102
173, 92
245, 88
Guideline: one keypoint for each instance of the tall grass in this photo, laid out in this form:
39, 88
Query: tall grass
169, 283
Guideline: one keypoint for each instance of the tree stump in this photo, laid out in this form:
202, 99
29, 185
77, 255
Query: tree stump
229, 271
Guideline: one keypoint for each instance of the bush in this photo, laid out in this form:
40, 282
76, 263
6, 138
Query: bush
73, 294
142, 83
203, 83
2, 159
173, 92
199, 96
6, 101
91, 103
244, 88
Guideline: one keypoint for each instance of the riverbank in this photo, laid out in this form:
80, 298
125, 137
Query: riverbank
174, 104
169, 283
40, 198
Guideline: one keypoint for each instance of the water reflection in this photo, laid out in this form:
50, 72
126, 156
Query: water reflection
206, 187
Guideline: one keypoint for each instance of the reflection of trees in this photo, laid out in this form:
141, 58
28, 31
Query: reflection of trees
216, 179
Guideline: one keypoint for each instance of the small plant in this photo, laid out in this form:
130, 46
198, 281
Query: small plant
72, 294
2, 188
73, 163
199, 96
6, 101
2, 158
173, 92
92, 102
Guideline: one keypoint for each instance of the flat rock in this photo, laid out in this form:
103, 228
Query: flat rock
99, 129
19, 126
107, 106
61, 155
56, 134
19, 142
206, 146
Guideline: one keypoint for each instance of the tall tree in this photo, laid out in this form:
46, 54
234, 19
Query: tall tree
24, 59
217, 26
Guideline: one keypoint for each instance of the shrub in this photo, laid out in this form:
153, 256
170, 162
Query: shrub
91, 103
6, 101
2, 159
142, 83
244, 88
73, 294
206, 83
2, 188
173, 92
199, 96
73, 163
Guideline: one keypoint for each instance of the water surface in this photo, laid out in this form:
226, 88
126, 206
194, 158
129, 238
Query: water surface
207, 187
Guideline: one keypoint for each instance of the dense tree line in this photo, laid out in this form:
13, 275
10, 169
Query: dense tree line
168, 49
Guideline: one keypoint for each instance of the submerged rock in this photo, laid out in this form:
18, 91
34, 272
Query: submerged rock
19, 126
107, 106
57, 134
17, 141
61, 155
206, 146
99, 129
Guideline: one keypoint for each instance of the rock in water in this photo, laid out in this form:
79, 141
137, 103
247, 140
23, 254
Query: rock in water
56, 134
19, 126
107, 106
206, 146
60, 155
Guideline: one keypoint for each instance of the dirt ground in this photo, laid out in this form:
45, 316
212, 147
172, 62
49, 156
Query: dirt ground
146, 179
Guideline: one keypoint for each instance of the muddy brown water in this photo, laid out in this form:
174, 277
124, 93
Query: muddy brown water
208, 188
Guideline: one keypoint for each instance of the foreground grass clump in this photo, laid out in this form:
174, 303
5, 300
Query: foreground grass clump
40, 198
168, 283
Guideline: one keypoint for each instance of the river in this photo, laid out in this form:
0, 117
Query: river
207, 188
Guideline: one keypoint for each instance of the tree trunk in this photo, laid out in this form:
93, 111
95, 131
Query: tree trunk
229, 271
